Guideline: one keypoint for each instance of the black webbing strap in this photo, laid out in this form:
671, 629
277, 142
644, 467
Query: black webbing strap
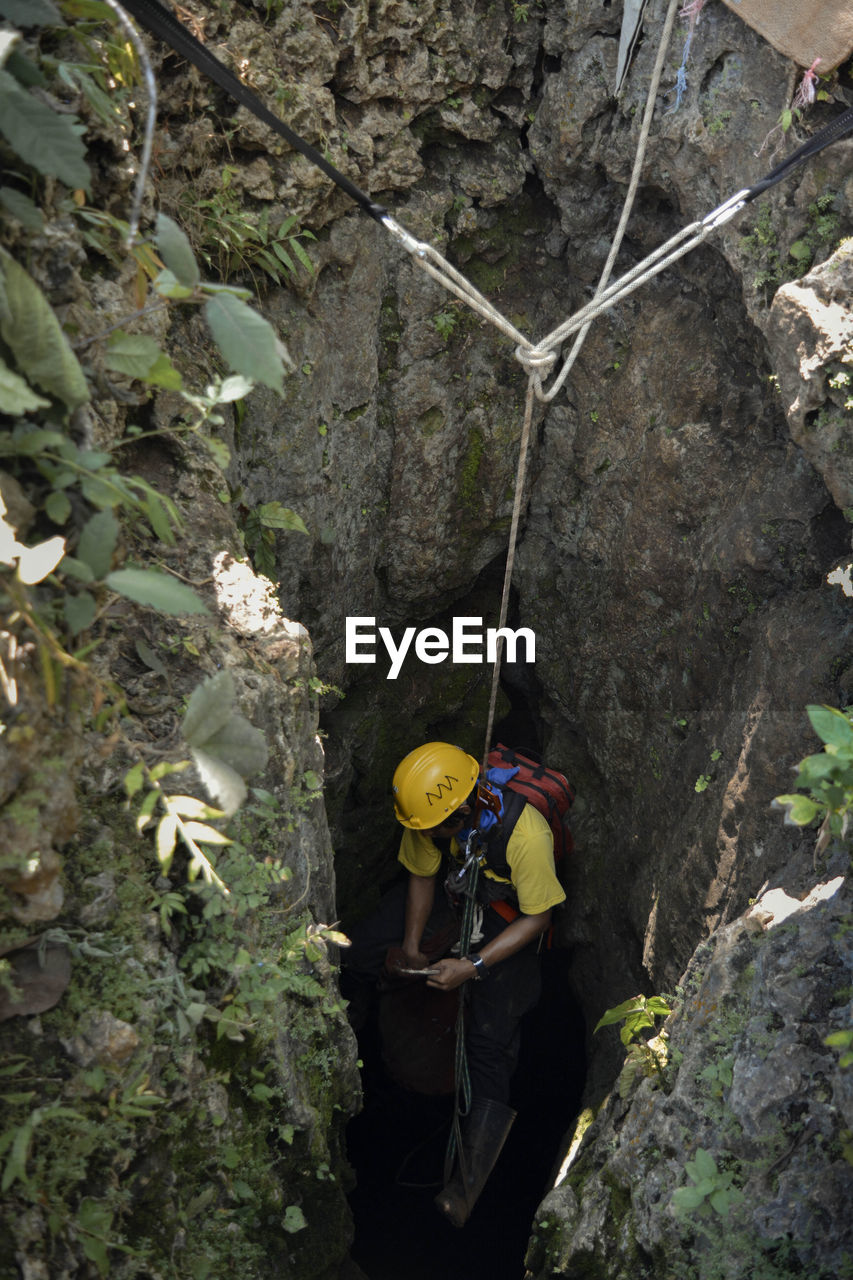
165, 26
835, 130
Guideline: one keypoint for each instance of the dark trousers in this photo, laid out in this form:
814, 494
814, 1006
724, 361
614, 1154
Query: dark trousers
493, 1008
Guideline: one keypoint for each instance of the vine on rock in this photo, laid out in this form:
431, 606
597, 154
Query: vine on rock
83, 539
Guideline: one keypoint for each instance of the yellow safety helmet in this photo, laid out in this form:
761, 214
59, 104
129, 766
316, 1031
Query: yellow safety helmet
430, 782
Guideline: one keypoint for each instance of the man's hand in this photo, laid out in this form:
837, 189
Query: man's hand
397, 958
451, 974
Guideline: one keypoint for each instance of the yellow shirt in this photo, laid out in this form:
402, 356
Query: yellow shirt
529, 854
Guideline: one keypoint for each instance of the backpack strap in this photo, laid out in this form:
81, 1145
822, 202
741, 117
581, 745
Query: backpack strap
498, 839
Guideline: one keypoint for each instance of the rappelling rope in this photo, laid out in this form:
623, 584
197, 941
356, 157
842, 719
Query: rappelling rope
465, 881
542, 357
537, 358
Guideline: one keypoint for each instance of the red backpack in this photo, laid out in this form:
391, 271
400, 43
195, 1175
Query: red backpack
544, 788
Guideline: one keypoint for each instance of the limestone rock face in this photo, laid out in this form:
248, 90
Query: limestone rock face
687, 499
751, 1113
686, 514
811, 341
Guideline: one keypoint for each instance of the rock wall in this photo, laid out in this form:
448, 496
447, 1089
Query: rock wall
690, 490
688, 495
177, 1065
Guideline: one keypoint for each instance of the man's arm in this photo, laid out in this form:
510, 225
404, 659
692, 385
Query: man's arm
452, 973
419, 902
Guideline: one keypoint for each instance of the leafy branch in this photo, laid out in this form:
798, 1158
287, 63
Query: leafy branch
827, 777
645, 1056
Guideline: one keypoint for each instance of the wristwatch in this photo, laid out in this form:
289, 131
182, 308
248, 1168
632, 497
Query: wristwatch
480, 969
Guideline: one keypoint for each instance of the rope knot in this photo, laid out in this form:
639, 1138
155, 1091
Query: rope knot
539, 360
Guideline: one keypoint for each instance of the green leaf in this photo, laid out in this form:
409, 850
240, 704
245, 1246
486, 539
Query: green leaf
240, 745
703, 1166
274, 516
302, 256
248, 342
134, 780
219, 451
16, 395
77, 569
202, 833
817, 768
16, 1165
58, 506
294, 1219
722, 1200
95, 1220
167, 836
223, 783
831, 725
156, 590
285, 257
31, 13
168, 285
32, 332
146, 809
162, 513
234, 388
43, 138
619, 1012
79, 612
176, 252
209, 708
801, 809
98, 542
21, 67
33, 441
21, 207
164, 374
686, 1199
191, 807
150, 658
132, 354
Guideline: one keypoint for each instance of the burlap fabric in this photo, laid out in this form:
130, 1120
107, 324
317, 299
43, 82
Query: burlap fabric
802, 29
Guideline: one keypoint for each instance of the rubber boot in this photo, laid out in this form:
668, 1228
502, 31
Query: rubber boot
485, 1131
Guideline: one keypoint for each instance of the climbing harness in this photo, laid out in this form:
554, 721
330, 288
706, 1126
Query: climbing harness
538, 359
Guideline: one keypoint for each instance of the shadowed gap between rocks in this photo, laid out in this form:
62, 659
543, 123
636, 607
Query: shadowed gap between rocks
397, 1144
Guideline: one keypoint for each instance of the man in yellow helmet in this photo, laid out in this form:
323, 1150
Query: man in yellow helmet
438, 798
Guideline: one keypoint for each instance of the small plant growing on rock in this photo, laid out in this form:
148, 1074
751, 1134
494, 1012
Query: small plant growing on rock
711, 1187
645, 1057
444, 323
827, 777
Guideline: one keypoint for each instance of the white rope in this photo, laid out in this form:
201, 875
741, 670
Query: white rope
539, 358
510, 561
639, 158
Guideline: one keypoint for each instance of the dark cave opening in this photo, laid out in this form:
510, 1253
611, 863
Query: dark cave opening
397, 1144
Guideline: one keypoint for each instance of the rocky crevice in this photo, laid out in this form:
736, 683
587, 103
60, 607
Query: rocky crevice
689, 493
